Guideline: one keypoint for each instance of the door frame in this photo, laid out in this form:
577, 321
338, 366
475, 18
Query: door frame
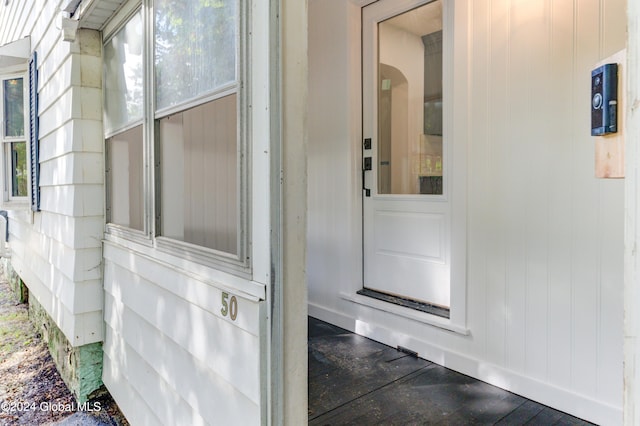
456, 49
415, 276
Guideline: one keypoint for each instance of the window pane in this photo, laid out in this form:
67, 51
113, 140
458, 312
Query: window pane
195, 48
125, 179
410, 154
199, 175
123, 101
19, 179
13, 108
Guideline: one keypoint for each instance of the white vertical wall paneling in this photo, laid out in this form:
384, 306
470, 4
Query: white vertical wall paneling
611, 274
536, 192
560, 203
497, 29
514, 197
479, 289
328, 80
544, 236
585, 252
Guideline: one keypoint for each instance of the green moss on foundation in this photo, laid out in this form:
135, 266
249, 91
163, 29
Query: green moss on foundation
80, 366
19, 290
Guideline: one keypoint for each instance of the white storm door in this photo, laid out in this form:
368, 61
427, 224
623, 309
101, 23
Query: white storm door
406, 207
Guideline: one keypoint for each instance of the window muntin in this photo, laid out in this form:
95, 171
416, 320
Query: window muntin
195, 49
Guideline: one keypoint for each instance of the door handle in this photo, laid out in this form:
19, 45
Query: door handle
366, 166
367, 191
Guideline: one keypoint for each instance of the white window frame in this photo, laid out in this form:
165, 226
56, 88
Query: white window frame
6, 167
238, 264
144, 236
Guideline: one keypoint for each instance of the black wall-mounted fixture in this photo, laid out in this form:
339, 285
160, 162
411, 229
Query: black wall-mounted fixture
604, 100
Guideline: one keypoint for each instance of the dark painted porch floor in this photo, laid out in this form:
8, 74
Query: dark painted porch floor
356, 381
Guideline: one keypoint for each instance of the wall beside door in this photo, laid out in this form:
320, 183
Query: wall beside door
544, 240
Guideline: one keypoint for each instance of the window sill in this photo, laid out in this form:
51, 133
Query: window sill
207, 257
15, 205
212, 275
181, 250
129, 234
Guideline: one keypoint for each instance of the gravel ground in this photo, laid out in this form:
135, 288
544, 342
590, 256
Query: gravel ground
31, 390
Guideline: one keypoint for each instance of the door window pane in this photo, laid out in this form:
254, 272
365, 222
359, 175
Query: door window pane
13, 108
123, 76
198, 150
195, 48
410, 150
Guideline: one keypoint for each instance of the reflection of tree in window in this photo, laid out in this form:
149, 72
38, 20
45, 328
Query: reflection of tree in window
19, 169
14, 107
195, 50
124, 75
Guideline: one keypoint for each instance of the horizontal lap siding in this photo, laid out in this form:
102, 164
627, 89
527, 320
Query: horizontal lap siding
159, 396
75, 306
129, 399
57, 251
13, 19
201, 361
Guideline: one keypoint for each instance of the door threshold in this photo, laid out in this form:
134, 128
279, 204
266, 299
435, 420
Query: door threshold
407, 303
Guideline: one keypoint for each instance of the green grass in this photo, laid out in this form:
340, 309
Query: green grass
16, 332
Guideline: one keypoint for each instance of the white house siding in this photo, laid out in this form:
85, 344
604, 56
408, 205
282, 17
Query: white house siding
544, 239
171, 356
57, 252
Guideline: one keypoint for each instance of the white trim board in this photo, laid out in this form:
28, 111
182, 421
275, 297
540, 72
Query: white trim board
544, 393
409, 313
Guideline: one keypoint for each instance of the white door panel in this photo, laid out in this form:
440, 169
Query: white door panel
406, 210
410, 234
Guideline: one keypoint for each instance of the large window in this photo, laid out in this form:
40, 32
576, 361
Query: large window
16, 179
174, 102
196, 108
123, 105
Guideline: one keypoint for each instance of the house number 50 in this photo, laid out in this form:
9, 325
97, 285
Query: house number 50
229, 306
